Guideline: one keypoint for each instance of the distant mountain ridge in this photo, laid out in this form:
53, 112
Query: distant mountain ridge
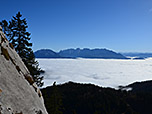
46, 53
136, 54
79, 53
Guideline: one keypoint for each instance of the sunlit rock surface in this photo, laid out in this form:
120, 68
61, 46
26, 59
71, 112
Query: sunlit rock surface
18, 92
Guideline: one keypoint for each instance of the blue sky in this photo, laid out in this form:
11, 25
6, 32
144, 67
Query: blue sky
119, 25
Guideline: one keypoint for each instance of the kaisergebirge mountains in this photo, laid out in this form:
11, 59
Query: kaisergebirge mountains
79, 53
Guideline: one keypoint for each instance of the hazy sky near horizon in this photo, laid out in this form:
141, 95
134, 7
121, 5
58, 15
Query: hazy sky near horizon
120, 25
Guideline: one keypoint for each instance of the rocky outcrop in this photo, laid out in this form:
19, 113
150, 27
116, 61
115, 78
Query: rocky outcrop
18, 92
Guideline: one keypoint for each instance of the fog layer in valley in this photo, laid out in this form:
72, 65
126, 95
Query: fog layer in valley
102, 72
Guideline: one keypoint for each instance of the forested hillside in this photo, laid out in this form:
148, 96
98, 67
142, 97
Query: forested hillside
74, 98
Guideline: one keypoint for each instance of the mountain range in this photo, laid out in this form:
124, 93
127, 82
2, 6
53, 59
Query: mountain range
137, 54
79, 53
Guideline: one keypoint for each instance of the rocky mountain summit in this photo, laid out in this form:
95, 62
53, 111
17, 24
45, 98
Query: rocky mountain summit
18, 92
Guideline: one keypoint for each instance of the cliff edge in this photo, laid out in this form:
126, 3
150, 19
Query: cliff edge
18, 92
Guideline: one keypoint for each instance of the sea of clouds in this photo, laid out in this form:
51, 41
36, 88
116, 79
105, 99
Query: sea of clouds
102, 72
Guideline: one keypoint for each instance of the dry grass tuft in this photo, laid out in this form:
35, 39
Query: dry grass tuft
29, 79
5, 53
11, 45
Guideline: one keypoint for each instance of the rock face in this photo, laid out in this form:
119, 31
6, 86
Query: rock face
18, 93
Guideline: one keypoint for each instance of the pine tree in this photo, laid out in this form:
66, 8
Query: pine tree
16, 31
55, 102
4, 25
6, 28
